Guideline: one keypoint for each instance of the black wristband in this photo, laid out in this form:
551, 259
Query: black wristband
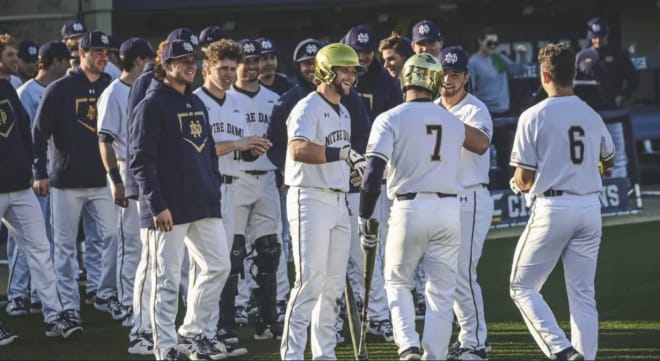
331, 154
115, 177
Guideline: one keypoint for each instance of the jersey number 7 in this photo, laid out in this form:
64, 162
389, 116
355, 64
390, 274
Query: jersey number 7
435, 156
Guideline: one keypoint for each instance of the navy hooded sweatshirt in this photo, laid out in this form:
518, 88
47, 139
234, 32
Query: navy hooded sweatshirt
173, 156
15, 141
68, 114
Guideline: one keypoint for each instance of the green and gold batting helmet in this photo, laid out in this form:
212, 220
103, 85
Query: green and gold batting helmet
423, 71
333, 55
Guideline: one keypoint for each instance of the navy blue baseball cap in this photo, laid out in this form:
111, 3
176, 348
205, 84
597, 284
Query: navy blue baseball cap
54, 50
360, 38
267, 45
73, 29
28, 51
115, 43
307, 49
251, 49
94, 40
425, 30
598, 27
184, 34
177, 49
136, 48
454, 58
211, 34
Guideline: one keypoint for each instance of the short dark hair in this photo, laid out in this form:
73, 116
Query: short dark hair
558, 60
126, 63
488, 30
396, 43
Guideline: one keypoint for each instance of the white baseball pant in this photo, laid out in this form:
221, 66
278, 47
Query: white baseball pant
476, 217
320, 236
142, 285
207, 246
413, 233
92, 254
22, 216
129, 248
283, 285
68, 204
566, 227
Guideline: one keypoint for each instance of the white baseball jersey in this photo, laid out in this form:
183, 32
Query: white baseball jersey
112, 115
473, 112
313, 119
415, 139
257, 116
30, 94
112, 70
562, 140
228, 123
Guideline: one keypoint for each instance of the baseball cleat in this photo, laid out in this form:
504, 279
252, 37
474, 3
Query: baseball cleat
141, 346
172, 355
469, 354
6, 337
281, 310
17, 307
381, 328
569, 354
90, 297
64, 326
411, 353
200, 348
112, 306
227, 336
265, 334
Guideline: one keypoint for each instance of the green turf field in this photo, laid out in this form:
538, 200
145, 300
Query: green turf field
628, 294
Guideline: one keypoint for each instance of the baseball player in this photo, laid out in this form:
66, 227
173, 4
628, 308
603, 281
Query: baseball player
141, 333
475, 200
269, 77
53, 62
380, 92
233, 142
28, 54
557, 159
395, 50
135, 53
9, 60
427, 38
318, 169
174, 162
419, 185
77, 181
20, 212
257, 199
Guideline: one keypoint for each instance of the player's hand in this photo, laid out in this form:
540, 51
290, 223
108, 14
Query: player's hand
514, 186
163, 221
40, 187
368, 230
119, 195
253, 142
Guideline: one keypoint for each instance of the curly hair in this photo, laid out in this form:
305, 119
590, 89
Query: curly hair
159, 72
222, 49
7, 40
396, 43
558, 60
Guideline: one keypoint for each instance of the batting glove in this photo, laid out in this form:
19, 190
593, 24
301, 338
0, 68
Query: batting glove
357, 163
514, 186
368, 235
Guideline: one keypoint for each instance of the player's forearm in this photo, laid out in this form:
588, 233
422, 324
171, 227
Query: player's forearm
524, 179
222, 148
475, 140
370, 188
108, 155
307, 152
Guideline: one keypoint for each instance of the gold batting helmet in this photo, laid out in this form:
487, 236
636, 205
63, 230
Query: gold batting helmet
333, 55
423, 71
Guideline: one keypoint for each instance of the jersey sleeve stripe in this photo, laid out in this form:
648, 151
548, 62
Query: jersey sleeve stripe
608, 157
109, 132
299, 137
376, 154
522, 165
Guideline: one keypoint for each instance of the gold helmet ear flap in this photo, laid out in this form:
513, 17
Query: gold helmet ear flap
423, 71
333, 55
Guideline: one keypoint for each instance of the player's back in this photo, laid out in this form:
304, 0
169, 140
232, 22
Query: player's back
426, 145
569, 138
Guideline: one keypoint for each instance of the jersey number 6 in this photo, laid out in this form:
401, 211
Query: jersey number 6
438, 140
575, 136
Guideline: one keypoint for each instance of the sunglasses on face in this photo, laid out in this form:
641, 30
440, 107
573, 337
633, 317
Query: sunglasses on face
491, 43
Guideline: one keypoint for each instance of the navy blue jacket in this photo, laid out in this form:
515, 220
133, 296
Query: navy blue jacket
135, 95
610, 67
280, 85
379, 91
15, 141
67, 113
277, 132
173, 156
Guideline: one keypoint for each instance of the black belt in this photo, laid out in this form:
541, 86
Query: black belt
552, 193
227, 179
410, 196
256, 172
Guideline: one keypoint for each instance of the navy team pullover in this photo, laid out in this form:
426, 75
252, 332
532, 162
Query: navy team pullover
173, 156
137, 93
15, 141
67, 113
